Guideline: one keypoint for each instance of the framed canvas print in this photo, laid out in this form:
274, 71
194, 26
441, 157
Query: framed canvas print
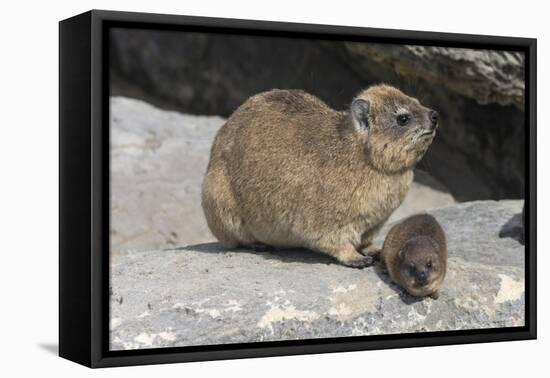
233, 188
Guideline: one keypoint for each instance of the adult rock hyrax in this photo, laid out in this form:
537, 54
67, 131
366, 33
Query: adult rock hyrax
415, 254
286, 170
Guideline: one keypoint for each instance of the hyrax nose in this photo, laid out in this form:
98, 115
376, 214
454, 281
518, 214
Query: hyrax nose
434, 118
422, 277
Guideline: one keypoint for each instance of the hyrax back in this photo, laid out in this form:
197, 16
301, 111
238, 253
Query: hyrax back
286, 170
415, 254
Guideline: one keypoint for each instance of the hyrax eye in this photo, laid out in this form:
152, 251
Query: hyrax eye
429, 265
403, 119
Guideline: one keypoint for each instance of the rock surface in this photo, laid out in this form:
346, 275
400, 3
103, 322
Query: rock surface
480, 149
486, 76
158, 161
201, 294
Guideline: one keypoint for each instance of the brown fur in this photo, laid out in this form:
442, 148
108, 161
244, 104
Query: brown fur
286, 170
409, 247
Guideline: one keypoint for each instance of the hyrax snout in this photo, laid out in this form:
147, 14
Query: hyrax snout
286, 170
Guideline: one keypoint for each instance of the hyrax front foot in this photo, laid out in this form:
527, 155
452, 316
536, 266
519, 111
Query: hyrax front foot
363, 262
369, 250
349, 256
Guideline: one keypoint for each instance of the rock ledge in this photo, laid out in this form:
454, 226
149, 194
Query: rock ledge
202, 294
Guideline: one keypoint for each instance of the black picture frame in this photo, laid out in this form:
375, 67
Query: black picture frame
84, 189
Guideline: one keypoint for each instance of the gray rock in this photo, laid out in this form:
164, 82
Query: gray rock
158, 161
202, 73
479, 152
202, 294
486, 76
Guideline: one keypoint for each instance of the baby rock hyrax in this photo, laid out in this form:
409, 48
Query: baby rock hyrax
286, 170
415, 254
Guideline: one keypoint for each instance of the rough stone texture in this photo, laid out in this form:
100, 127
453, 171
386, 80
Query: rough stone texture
158, 161
480, 149
201, 294
487, 76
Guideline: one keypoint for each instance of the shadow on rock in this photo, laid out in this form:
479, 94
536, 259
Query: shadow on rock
202, 247
382, 273
513, 228
426, 179
300, 255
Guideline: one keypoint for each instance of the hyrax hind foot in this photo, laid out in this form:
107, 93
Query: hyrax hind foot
349, 256
261, 247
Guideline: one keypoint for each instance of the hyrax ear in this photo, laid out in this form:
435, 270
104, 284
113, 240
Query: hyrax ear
360, 112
